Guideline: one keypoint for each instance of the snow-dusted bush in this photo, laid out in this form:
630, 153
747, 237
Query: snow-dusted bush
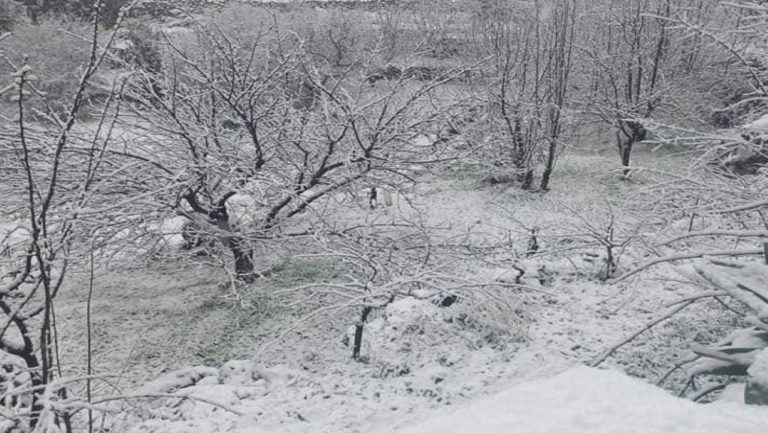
744, 352
412, 333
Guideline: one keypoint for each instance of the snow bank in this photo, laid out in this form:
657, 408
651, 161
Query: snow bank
594, 401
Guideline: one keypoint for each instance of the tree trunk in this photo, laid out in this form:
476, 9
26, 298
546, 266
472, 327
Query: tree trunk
523, 165
636, 133
218, 217
526, 180
624, 143
244, 266
521, 156
358, 343
241, 252
550, 165
625, 150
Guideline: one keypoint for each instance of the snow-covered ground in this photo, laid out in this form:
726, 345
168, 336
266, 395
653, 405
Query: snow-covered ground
426, 368
587, 400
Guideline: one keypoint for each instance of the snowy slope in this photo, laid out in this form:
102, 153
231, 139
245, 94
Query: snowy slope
594, 401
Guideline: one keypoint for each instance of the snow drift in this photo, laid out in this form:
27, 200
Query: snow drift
594, 401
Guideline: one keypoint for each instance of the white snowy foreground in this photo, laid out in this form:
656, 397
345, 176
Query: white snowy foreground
580, 400
594, 401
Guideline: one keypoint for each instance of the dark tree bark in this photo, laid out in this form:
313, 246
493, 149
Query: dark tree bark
244, 266
629, 134
550, 165
522, 155
241, 252
625, 151
219, 218
358, 343
28, 355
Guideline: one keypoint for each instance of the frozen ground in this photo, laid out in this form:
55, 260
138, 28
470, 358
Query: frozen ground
156, 323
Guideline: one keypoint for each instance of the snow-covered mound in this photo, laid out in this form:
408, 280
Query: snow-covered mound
761, 124
594, 401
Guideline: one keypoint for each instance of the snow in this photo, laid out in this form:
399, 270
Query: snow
733, 392
409, 310
746, 282
748, 339
581, 399
244, 209
759, 369
420, 359
176, 380
593, 401
171, 230
759, 125
14, 237
424, 141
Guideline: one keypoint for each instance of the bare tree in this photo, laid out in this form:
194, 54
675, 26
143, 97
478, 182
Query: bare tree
725, 41
530, 62
733, 206
629, 50
559, 40
48, 172
262, 121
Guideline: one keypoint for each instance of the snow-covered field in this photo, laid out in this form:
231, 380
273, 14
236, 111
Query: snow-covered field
170, 329
332, 218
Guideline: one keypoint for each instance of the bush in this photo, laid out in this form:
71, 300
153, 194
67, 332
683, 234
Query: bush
744, 353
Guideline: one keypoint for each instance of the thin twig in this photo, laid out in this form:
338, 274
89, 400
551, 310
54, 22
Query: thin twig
648, 326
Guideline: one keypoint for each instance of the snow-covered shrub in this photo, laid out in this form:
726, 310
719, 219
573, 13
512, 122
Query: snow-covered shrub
745, 152
411, 333
390, 337
744, 352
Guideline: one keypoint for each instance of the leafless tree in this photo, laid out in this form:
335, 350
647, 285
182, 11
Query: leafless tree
732, 206
530, 58
629, 53
559, 44
263, 121
48, 170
